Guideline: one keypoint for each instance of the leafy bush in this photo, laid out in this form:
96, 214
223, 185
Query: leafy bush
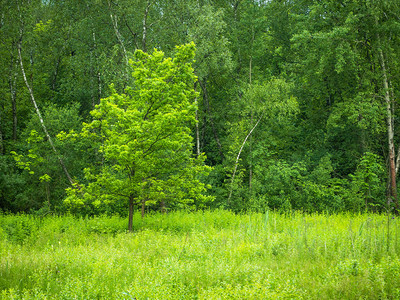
367, 189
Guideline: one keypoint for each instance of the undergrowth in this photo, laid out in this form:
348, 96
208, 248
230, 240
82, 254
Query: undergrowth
200, 255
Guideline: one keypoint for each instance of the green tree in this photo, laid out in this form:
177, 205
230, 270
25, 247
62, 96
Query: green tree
144, 138
368, 184
347, 79
35, 158
265, 113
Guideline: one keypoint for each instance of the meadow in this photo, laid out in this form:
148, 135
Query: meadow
201, 255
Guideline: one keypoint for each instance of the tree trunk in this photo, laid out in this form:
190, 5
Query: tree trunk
94, 62
250, 158
236, 19
207, 105
114, 21
143, 207
251, 117
2, 150
163, 208
130, 216
145, 26
238, 157
198, 151
95, 73
99, 87
197, 132
41, 118
14, 111
390, 128
54, 81
13, 93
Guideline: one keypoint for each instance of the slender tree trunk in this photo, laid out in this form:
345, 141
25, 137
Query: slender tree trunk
130, 216
47, 189
2, 150
13, 93
198, 151
236, 22
143, 207
397, 161
251, 118
163, 208
145, 27
14, 111
114, 21
390, 128
94, 71
95, 97
134, 34
41, 118
238, 157
207, 105
398, 151
197, 132
99, 87
392, 97
54, 81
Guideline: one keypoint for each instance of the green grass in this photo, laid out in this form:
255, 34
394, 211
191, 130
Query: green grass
202, 255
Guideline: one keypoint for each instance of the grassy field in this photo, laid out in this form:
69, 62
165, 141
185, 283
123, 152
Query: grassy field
202, 255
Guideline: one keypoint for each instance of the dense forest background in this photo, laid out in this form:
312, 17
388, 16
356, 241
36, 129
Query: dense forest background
297, 100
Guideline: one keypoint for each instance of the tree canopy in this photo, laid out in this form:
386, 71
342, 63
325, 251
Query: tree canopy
143, 138
286, 105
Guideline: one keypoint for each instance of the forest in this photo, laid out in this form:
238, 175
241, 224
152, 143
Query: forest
197, 149
109, 107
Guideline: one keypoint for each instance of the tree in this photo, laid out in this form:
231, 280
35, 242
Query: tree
348, 53
265, 108
35, 158
367, 186
144, 138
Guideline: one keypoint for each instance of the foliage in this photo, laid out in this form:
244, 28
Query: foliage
367, 183
39, 167
144, 139
267, 106
332, 57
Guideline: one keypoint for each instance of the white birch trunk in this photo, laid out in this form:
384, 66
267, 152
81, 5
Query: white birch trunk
238, 157
41, 118
114, 21
144, 36
390, 126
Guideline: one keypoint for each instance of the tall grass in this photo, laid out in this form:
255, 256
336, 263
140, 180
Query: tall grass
201, 255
